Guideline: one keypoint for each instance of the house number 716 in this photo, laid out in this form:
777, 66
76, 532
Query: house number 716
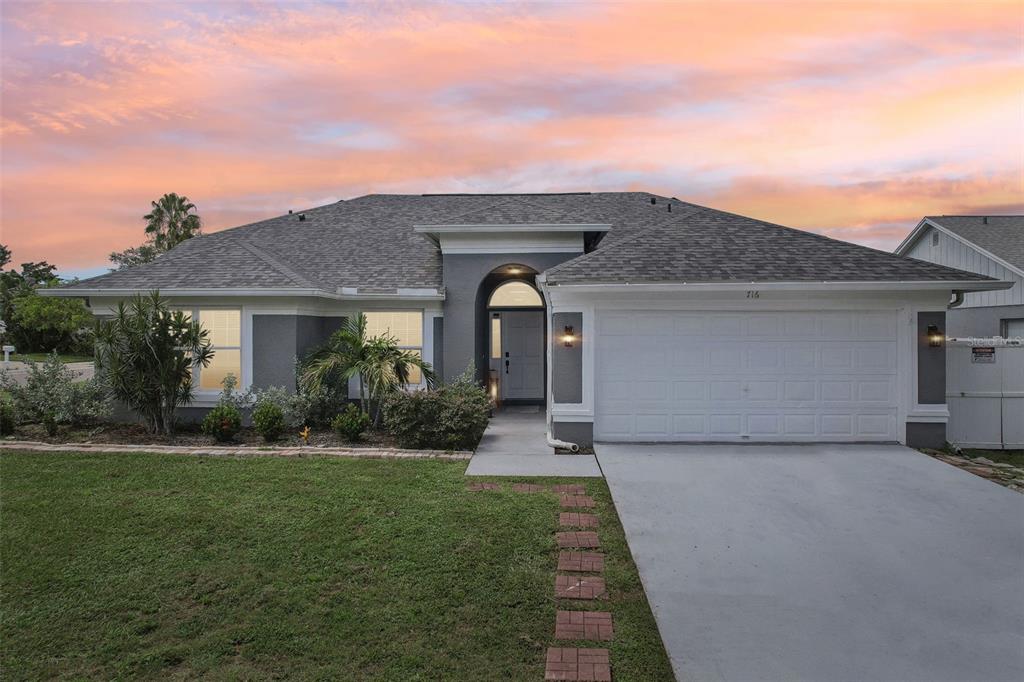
753, 294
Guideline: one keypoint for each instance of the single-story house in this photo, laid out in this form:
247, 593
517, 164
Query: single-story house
990, 245
630, 316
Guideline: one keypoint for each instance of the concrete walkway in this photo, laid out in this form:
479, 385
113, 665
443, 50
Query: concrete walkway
515, 444
823, 562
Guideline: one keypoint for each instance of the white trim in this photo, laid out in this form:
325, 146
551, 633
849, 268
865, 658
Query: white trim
511, 228
343, 294
574, 418
547, 248
925, 223
786, 286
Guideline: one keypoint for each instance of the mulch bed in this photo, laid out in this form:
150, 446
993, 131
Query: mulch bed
190, 435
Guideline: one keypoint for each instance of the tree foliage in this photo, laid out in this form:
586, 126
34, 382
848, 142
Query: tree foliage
172, 220
36, 323
145, 354
380, 365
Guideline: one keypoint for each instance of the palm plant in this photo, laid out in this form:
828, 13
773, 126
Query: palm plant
379, 364
172, 221
146, 353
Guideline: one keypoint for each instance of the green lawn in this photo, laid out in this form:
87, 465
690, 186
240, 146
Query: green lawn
118, 566
41, 357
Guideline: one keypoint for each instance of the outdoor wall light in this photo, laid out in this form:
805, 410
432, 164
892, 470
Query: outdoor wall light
569, 337
935, 336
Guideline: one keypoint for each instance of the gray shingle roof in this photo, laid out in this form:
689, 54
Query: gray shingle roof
513, 211
706, 245
369, 243
1002, 236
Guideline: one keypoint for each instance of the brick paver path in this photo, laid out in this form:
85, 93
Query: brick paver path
527, 488
582, 539
593, 625
583, 665
579, 587
570, 489
577, 501
583, 562
577, 519
477, 487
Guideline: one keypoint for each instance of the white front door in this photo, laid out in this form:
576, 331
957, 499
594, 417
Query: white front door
522, 350
740, 376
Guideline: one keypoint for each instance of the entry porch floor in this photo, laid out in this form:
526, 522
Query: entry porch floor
515, 444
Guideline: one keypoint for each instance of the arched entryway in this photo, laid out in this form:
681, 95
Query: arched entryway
514, 331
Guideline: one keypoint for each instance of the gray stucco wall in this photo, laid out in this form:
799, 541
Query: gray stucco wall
277, 340
931, 362
567, 363
438, 360
926, 435
581, 433
465, 341
981, 321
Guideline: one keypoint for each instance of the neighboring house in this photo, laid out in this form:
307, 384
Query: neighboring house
989, 245
631, 316
984, 398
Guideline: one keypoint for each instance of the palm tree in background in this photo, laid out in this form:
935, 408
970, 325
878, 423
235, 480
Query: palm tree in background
172, 220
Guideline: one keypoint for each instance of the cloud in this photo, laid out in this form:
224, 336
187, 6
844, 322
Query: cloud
852, 118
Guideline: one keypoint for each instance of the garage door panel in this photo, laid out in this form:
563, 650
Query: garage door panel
786, 376
763, 390
689, 425
800, 424
764, 424
800, 391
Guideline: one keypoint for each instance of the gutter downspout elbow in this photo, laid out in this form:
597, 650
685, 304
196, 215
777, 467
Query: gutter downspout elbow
958, 299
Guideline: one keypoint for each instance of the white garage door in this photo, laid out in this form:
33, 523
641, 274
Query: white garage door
719, 376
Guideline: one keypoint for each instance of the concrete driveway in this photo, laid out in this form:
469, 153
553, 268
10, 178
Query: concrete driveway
839, 562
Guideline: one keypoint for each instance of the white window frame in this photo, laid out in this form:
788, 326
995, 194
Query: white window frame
202, 394
423, 335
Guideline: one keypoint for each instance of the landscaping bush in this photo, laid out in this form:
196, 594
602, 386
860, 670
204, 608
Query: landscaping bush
53, 395
225, 420
8, 416
452, 417
268, 419
146, 353
222, 422
351, 423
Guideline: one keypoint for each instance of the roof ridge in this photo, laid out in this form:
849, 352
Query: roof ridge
281, 265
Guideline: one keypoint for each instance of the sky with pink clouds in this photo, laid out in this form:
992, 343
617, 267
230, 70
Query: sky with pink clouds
852, 119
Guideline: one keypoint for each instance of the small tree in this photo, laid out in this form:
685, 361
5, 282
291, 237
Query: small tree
382, 367
146, 353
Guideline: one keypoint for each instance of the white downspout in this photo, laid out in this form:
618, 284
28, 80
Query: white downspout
549, 402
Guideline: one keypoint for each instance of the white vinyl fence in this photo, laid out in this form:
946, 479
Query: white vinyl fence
985, 393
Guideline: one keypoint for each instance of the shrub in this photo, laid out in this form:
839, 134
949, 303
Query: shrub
452, 417
222, 422
8, 416
225, 419
268, 419
146, 353
53, 395
351, 423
